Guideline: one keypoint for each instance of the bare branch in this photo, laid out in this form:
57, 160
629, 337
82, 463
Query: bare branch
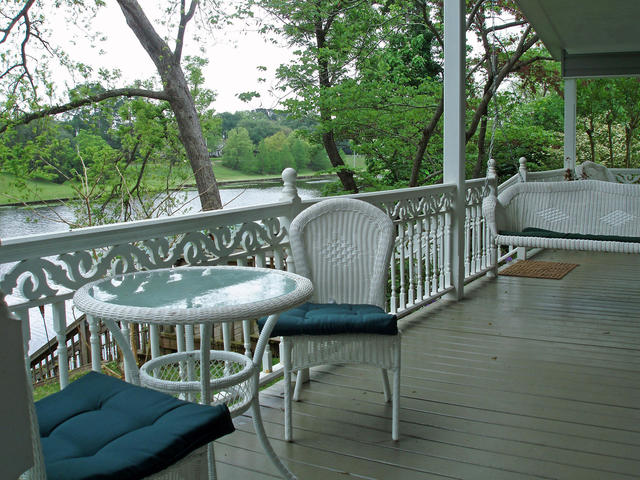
475, 68
21, 20
504, 26
523, 45
184, 19
531, 60
14, 20
56, 109
474, 12
23, 50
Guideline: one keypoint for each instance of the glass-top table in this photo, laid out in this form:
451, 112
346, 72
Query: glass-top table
198, 296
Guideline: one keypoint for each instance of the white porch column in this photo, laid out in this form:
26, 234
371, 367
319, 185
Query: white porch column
570, 102
454, 144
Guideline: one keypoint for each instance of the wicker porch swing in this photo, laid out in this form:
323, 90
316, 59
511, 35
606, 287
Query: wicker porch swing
593, 214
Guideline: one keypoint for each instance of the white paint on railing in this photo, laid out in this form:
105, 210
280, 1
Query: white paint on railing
50, 268
60, 328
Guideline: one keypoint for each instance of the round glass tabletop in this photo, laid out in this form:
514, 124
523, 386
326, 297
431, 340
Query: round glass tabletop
193, 294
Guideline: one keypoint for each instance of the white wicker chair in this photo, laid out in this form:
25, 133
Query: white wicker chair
343, 246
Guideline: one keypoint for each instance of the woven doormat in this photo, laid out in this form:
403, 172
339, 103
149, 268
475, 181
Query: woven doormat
532, 269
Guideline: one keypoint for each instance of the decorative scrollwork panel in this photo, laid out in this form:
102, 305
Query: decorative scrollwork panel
38, 278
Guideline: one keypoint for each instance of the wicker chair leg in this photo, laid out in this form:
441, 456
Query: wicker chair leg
285, 357
300, 374
395, 406
385, 385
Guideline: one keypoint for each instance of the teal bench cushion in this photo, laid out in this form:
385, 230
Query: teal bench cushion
540, 232
333, 318
100, 427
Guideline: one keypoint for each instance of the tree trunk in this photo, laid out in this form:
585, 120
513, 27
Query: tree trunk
630, 130
628, 136
175, 86
610, 134
592, 142
482, 133
427, 132
345, 175
328, 140
191, 137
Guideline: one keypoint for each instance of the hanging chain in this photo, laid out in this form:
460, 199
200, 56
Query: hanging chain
494, 88
493, 63
494, 74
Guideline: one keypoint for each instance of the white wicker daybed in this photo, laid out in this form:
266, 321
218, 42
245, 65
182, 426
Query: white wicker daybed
587, 215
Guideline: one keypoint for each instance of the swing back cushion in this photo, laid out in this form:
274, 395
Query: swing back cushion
102, 427
582, 215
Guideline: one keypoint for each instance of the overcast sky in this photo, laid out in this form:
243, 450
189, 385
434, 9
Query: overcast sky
233, 59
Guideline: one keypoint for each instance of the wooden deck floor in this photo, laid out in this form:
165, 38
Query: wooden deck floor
525, 378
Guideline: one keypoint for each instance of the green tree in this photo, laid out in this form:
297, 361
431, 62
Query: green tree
609, 117
372, 73
629, 93
259, 126
300, 151
274, 153
318, 159
229, 121
330, 37
22, 85
238, 151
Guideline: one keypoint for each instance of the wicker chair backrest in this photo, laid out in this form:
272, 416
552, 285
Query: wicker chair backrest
343, 246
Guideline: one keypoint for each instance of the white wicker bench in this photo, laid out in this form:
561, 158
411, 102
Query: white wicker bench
582, 215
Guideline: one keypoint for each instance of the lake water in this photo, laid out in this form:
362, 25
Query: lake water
21, 221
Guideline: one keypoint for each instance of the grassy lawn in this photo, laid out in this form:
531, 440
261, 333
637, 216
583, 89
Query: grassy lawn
36, 190
357, 162
42, 190
46, 388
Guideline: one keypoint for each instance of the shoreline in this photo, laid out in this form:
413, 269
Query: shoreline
188, 187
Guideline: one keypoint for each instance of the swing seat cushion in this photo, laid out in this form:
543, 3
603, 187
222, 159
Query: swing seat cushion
542, 233
334, 318
102, 427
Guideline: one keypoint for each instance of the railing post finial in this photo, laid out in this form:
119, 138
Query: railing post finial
491, 168
289, 190
522, 171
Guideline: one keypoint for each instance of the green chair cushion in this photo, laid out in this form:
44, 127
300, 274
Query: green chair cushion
540, 232
100, 427
334, 318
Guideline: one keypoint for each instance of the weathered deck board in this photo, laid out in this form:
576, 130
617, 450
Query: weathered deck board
525, 378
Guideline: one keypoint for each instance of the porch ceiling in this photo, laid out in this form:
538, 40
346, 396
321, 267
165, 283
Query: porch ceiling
590, 37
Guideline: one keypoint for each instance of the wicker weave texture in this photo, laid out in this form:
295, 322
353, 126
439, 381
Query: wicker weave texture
376, 350
587, 207
344, 247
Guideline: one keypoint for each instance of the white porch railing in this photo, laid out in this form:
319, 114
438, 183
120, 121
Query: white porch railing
47, 269
622, 175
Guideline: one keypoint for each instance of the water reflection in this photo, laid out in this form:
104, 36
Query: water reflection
20, 221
